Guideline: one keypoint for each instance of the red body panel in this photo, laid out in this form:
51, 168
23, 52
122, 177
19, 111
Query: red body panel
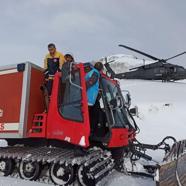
20, 99
10, 97
119, 137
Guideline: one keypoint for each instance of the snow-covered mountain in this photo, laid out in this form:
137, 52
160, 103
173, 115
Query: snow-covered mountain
124, 62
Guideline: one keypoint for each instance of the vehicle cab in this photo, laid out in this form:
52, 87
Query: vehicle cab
70, 119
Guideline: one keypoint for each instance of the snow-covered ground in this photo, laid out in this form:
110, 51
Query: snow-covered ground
17, 182
162, 108
162, 112
118, 179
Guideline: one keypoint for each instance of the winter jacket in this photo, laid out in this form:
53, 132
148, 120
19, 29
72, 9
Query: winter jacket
52, 64
92, 84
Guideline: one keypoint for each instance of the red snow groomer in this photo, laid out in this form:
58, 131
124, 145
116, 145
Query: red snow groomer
67, 140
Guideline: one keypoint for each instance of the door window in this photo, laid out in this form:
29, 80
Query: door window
70, 98
111, 91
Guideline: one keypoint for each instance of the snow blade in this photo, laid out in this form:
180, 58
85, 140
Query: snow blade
173, 171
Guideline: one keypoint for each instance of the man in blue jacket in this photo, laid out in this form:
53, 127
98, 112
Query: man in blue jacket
92, 84
92, 81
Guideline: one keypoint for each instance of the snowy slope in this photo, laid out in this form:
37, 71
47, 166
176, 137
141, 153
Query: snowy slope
162, 112
162, 108
124, 62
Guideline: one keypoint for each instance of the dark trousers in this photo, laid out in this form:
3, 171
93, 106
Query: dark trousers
49, 85
97, 120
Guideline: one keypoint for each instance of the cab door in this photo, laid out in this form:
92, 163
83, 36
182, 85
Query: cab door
116, 114
68, 118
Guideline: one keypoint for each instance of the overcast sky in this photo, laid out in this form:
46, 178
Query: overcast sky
91, 29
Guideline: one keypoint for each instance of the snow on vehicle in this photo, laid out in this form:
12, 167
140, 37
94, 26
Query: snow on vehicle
66, 141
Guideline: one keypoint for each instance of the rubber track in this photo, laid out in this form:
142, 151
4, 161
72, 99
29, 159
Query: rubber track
46, 154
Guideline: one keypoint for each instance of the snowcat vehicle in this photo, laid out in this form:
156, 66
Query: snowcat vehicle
64, 142
63, 139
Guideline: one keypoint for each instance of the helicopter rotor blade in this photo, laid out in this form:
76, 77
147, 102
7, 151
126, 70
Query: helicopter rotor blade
140, 52
175, 56
134, 68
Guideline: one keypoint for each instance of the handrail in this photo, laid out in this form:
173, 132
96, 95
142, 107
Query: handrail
70, 78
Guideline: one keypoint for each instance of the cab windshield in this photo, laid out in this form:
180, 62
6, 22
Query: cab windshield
120, 116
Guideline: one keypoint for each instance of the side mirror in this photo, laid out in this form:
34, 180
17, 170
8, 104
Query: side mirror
134, 111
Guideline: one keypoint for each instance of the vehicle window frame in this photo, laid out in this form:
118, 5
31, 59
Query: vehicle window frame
61, 97
122, 124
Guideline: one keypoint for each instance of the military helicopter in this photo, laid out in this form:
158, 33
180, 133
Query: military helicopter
159, 70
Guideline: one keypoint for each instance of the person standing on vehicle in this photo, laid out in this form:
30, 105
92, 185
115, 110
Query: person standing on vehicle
52, 63
92, 83
69, 58
99, 66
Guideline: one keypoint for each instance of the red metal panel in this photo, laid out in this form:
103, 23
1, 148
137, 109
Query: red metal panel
10, 97
119, 137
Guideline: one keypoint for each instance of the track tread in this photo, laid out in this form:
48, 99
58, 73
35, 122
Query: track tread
47, 156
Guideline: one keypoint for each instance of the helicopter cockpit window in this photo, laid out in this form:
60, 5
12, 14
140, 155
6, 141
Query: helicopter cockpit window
172, 69
180, 69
